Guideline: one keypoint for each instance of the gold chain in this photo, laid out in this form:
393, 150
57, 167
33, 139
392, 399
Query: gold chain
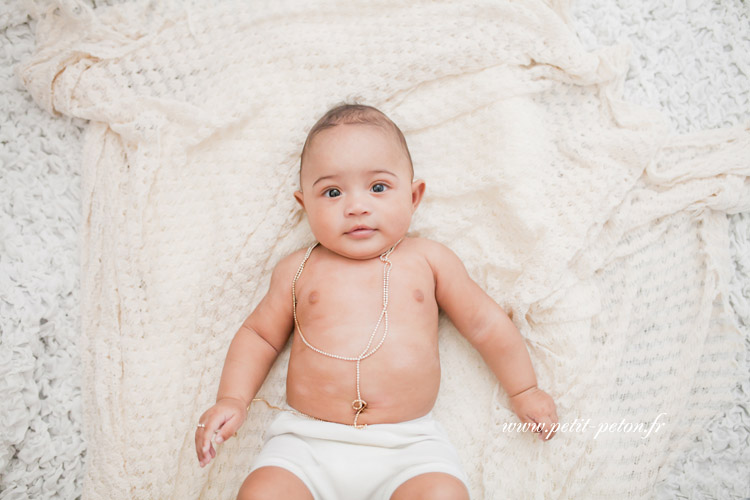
359, 404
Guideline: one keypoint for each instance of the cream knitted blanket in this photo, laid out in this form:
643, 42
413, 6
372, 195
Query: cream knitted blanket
603, 235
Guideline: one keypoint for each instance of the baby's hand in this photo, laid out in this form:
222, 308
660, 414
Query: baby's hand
536, 406
223, 418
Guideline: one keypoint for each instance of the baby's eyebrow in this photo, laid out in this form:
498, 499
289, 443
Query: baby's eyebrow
380, 171
323, 178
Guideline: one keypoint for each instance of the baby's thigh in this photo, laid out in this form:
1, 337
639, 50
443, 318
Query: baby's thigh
433, 486
271, 483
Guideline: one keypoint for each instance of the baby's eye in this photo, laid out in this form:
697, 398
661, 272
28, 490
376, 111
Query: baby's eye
379, 188
332, 193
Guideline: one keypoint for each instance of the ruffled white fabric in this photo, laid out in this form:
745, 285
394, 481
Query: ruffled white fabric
42, 449
690, 58
42, 362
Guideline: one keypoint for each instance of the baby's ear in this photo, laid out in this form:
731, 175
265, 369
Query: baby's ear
417, 191
300, 199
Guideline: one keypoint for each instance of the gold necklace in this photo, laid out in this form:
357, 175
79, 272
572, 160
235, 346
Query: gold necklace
359, 404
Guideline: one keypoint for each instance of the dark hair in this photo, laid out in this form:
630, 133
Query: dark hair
354, 114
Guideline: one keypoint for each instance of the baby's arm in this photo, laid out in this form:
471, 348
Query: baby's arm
489, 329
251, 354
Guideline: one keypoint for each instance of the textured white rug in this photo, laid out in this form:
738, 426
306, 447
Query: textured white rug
43, 448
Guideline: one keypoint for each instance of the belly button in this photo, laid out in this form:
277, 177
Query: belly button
419, 295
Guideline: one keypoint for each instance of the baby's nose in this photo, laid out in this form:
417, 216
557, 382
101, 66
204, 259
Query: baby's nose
357, 205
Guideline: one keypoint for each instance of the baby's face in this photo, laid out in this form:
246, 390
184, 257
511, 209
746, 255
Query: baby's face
357, 190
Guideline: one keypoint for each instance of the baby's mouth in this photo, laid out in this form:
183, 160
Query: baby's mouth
360, 231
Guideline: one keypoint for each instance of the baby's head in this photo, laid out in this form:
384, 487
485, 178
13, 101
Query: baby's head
357, 182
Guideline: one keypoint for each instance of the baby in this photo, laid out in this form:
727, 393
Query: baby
364, 369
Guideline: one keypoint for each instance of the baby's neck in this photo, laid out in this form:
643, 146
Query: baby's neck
376, 256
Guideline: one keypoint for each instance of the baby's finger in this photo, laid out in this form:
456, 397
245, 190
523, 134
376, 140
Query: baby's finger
536, 424
227, 429
209, 454
208, 433
214, 425
548, 431
199, 432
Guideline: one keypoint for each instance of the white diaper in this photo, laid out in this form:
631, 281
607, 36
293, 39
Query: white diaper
341, 462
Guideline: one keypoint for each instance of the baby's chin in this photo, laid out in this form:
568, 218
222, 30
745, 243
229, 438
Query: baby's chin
360, 250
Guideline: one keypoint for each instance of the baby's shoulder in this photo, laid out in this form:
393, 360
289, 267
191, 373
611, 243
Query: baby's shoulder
286, 268
422, 245
433, 252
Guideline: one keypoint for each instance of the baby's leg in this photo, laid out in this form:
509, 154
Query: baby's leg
270, 483
433, 486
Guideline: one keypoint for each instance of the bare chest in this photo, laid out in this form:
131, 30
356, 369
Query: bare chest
344, 302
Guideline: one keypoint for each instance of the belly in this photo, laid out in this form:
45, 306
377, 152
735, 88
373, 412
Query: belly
399, 382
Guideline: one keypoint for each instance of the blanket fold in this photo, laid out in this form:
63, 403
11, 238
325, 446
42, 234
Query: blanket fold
602, 234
